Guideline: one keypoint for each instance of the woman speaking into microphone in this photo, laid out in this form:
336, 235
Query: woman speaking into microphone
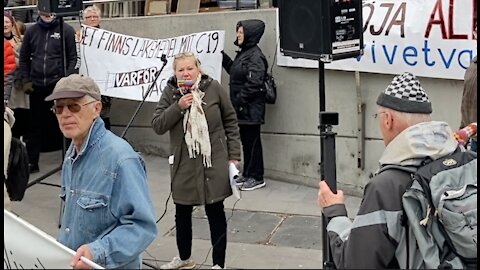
204, 140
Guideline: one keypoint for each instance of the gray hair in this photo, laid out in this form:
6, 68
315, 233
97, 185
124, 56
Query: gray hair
184, 55
93, 9
88, 98
409, 118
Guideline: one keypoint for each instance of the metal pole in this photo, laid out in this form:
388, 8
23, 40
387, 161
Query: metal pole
157, 75
64, 66
327, 166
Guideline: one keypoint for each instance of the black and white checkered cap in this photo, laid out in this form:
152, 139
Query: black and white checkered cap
405, 94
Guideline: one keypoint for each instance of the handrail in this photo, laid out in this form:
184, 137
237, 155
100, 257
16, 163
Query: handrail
28, 7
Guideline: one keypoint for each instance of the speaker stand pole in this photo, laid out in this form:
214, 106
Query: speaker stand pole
327, 164
64, 66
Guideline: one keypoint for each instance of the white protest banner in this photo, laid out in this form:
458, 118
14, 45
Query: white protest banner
125, 66
27, 247
429, 38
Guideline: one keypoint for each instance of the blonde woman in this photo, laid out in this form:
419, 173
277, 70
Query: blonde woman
204, 139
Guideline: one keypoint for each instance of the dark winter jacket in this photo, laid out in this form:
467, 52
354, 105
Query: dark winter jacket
41, 53
247, 72
376, 238
192, 183
8, 68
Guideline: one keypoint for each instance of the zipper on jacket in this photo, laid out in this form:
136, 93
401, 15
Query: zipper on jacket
45, 59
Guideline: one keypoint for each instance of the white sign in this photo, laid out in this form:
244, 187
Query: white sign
429, 38
27, 247
126, 66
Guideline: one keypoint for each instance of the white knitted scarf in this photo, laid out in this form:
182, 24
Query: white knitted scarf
195, 127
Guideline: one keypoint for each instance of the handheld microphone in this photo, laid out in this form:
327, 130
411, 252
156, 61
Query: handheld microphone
464, 134
163, 58
185, 86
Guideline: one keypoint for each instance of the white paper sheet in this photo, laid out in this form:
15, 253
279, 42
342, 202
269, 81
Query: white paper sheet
27, 247
233, 174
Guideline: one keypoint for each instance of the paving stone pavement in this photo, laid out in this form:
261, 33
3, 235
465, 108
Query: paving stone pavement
276, 227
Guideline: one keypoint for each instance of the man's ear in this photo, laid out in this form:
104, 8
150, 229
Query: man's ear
388, 120
98, 107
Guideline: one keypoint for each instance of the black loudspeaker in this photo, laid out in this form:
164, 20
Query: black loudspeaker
61, 7
321, 29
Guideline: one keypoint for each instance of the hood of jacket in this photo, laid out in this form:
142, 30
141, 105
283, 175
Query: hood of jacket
433, 139
47, 25
253, 32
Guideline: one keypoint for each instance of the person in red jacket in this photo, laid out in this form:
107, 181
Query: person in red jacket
9, 66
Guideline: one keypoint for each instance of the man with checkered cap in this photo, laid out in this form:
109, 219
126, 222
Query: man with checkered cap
376, 239
108, 212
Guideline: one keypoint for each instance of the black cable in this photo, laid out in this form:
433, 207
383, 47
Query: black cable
275, 55
150, 265
82, 51
165, 211
206, 256
160, 218
220, 238
153, 259
50, 184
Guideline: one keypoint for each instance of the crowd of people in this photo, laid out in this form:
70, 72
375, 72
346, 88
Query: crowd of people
105, 194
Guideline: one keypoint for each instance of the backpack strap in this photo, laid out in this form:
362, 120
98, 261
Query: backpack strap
404, 219
410, 169
266, 65
404, 223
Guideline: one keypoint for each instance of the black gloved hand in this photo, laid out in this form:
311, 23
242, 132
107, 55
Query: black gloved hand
18, 85
27, 87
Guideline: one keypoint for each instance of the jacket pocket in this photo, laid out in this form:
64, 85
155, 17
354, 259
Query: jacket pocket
91, 203
92, 214
176, 161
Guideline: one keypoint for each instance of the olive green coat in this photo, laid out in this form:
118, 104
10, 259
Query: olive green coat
192, 183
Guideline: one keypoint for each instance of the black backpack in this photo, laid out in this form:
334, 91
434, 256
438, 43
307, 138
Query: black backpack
269, 86
270, 89
440, 207
17, 172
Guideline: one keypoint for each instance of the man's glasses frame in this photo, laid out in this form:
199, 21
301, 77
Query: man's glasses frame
375, 115
72, 107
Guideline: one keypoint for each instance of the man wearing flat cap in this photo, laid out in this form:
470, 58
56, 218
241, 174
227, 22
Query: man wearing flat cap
108, 214
376, 239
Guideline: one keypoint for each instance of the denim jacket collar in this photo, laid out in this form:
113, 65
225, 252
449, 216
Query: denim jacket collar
96, 132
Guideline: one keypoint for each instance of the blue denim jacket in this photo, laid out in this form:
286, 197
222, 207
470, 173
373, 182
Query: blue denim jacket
107, 200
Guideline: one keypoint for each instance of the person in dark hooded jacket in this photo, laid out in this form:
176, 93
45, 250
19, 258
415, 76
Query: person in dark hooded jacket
41, 68
247, 73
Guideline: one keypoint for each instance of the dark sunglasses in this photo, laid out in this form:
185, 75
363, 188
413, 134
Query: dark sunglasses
46, 14
72, 107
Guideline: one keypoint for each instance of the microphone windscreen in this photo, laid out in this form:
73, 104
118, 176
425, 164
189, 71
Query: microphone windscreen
187, 84
464, 134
